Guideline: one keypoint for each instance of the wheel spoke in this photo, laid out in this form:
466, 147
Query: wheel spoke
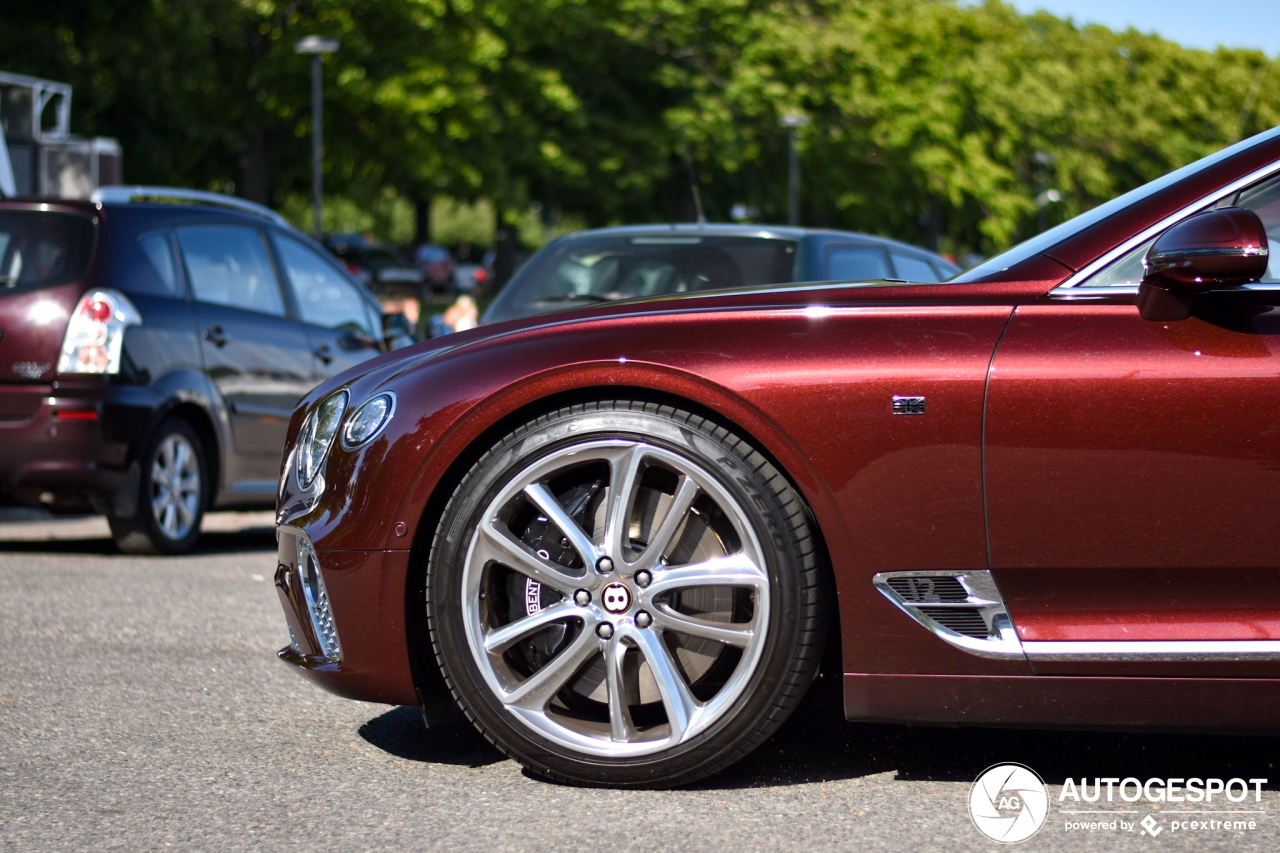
677, 698
686, 494
501, 638
170, 523
185, 512
159, 476
189, 484
179, 457
733, 570
624, 476
500, 546
620, 724
732, 634
537, 690
555, 512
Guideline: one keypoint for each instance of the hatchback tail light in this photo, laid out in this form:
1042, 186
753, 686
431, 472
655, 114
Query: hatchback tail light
94, 341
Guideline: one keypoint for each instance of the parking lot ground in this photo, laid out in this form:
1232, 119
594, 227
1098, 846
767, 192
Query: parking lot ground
142, 708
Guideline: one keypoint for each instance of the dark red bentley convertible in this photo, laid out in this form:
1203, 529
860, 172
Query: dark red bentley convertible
1046, 493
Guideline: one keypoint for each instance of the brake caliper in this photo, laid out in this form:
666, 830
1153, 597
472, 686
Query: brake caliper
527, 596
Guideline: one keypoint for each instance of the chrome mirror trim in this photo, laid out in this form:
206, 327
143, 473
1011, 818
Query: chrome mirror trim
1217, 195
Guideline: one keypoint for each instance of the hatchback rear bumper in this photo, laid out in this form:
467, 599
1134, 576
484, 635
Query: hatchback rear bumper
70, 442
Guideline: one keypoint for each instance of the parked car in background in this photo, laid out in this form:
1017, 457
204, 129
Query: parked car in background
437, 263
470, 278
1041, 494
153, 344
653, 260
382, 269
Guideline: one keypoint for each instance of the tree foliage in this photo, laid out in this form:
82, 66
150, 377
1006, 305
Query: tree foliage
926, 116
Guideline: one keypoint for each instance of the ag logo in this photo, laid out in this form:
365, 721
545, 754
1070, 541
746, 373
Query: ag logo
616, 598
1008, 803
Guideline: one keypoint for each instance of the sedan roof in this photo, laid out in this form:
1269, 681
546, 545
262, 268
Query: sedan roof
731, 229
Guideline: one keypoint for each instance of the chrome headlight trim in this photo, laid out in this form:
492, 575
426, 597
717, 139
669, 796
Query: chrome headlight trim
359, 413
308, 472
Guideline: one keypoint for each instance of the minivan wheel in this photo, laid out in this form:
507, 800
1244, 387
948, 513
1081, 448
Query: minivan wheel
171, 495
625, 594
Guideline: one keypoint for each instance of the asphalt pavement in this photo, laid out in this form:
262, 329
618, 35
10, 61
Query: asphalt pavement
142, 707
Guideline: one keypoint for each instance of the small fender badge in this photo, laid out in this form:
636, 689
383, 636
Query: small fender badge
908, 405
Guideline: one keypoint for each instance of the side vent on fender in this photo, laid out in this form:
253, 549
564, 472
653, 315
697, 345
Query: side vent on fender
962, 608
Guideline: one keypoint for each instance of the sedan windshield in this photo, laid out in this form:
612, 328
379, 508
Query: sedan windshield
585, 270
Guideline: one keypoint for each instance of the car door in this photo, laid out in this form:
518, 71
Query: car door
1133, 476
258, 357
341, 324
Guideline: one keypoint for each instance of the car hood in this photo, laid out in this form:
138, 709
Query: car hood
808, 295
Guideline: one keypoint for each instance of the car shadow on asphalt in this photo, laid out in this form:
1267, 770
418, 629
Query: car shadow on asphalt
400, 732
246, 540
817, 744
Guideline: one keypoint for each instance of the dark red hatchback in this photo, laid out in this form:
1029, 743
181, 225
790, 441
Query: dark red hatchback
153, 344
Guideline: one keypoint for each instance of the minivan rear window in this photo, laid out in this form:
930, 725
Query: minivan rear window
41, 249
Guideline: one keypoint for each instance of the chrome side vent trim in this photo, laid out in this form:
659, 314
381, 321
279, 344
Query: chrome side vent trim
965, 609
317, 599
962, 608
1158, 650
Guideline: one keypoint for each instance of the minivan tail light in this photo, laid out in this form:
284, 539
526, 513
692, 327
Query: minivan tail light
94, 342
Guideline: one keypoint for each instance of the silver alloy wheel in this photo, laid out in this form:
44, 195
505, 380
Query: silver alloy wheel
644, 641
175, 487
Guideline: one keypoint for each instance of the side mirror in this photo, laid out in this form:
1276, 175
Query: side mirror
1218, 248
397, 331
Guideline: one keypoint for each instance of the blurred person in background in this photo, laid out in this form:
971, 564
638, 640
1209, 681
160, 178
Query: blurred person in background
463, 314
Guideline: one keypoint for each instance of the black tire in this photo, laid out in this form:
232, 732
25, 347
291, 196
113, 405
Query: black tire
797, 616
142, 532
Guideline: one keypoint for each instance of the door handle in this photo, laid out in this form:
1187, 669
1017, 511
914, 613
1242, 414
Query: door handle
214, 335
322, 353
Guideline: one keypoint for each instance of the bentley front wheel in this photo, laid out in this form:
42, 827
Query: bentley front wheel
625, 594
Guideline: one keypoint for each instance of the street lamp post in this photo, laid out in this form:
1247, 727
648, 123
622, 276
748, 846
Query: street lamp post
317, 47
1043, 160
793, 123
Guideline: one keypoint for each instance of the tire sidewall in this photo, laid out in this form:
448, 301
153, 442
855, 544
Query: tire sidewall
721, 458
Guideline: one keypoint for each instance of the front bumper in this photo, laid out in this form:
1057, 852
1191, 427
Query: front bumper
354, 643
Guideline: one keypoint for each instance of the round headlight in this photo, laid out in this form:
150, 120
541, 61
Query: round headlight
368, 420
317, 436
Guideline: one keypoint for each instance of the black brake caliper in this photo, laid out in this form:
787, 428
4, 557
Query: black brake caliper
527, 596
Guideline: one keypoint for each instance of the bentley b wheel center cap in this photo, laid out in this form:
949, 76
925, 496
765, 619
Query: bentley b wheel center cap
616, 598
